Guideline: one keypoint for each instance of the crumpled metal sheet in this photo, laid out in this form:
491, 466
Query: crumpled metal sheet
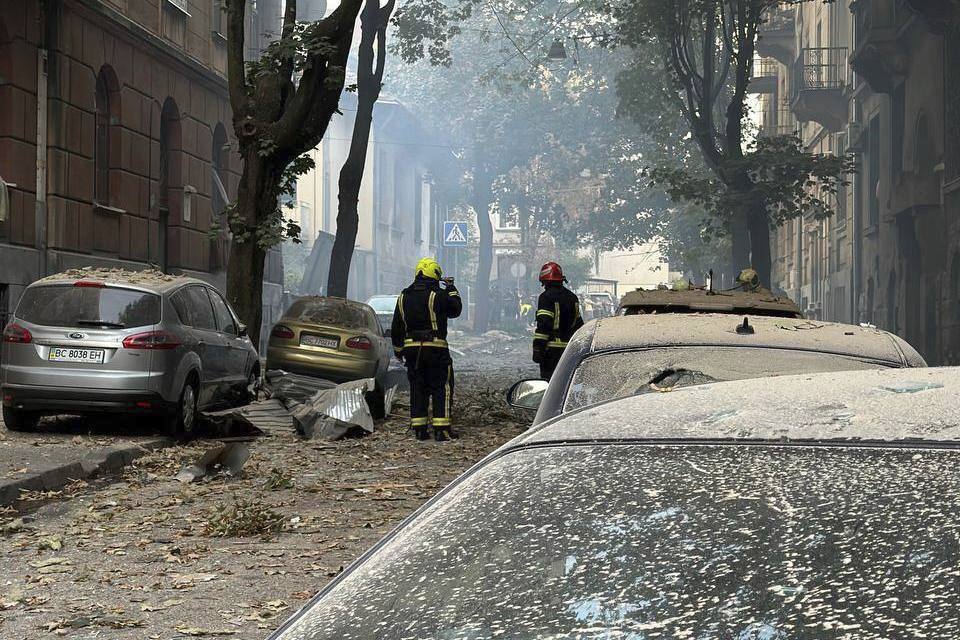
293, 388
331, 413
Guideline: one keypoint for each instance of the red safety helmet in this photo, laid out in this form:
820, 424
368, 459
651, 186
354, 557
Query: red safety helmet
551, 272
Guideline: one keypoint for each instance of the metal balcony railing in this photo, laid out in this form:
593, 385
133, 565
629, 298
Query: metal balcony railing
821, 68
765, 67
780, 19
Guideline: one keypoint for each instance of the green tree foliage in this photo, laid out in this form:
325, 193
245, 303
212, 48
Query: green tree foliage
282, 104
704, 52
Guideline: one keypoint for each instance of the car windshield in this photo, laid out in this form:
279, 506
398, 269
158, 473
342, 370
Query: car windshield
330, 312
383, 304
642, 541
606, 376
66, 305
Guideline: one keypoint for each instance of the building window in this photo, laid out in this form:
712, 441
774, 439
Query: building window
107, 116
174, 21
218, 17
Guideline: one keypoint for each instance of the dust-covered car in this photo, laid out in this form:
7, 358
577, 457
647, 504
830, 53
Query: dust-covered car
331, 338
138, 343
815, 506
649, 353
384, 306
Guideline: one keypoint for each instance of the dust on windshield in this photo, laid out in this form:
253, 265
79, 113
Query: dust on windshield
637, 542
622, 374
331, 313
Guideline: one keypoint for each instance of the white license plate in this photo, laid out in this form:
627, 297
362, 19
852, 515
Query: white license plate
72, 354
317, 341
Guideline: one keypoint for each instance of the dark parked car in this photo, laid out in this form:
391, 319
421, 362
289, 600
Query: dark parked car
128, 342
624, 356
812, 507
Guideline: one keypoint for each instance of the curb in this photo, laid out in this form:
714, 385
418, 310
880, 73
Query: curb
98, 462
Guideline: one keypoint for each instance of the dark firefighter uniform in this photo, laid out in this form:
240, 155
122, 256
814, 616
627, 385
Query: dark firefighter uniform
419, 334
558, 317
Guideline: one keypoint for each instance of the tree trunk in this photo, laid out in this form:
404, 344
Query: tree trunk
760, 247
245, 269
739, 244
373, 25
481, 206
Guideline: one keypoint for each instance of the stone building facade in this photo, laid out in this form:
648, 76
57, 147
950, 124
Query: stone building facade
115, 137
874, 79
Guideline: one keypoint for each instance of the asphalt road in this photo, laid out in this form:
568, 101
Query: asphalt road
133, 553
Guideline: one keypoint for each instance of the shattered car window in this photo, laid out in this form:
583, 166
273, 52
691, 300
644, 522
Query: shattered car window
330, 312
627, 373
383, 304
640, 541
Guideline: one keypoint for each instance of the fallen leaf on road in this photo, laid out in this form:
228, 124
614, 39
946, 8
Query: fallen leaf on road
197, 631
49, 562
166, 604
53, 543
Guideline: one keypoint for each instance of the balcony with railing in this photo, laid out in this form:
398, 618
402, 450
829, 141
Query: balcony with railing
776, 39
819, 82
778, 120
878, 55
764, 75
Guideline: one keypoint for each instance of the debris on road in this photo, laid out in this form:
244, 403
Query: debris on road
244, 518
228, 458
333, 413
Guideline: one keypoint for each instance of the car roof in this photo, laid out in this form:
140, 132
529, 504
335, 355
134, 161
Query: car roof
334, 300
886, 405
146, 280
761, 301
665, 330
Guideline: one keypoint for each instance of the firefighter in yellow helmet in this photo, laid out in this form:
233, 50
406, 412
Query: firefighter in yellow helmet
419, 335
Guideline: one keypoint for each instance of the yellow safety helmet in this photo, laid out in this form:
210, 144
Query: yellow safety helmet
429, 268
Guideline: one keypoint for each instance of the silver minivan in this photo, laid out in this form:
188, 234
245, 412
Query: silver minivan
138, 343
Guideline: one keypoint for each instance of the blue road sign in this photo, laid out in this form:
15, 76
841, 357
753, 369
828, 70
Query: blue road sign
455, 234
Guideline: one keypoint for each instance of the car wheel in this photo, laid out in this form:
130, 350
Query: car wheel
251, 392
18, 420
377, 402
182, 422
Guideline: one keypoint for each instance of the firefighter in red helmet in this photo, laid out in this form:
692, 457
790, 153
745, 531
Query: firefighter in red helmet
558, 317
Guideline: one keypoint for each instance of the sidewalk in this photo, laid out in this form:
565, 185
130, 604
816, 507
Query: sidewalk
49, 461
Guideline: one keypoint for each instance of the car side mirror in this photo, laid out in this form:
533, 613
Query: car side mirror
242, 330
527, 394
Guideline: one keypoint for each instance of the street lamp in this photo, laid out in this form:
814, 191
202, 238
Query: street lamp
557, 50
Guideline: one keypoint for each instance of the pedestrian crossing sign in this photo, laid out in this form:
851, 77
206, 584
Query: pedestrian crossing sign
454, 233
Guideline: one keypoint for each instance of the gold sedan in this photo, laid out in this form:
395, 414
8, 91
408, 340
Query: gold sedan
331, 338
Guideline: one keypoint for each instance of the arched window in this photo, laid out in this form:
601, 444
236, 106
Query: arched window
107, 117
169, 179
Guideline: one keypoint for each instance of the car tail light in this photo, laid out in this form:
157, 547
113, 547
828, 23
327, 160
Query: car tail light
89, 283
359, 342
16, 333
152, 340
282, 331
